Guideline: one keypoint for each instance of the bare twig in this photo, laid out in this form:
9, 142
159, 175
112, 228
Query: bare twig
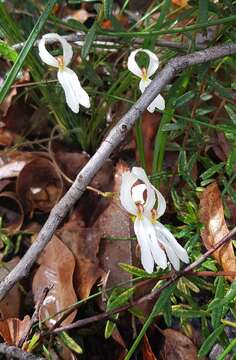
114, 138
35, 315
105, 41
16, 353
150, 296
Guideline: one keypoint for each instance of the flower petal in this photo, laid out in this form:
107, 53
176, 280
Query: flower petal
142, 237
143, 84
158, 102
138, 193
132, 64
67, 49
178, 249
126, 199
157, 252
45, 55
151, 198
161, 206
173, 258
74, 92
153, 62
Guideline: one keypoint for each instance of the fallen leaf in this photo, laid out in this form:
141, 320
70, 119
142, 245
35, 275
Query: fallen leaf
147, 350
70, 163
56, 269
211, 214
39, 185
114, 222
181, 3
84, 244
13, 329
11, 211
11, 163
10, 305
177, 346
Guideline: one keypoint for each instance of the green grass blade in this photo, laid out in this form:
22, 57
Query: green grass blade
25, 50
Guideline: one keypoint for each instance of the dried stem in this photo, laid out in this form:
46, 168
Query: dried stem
114, 138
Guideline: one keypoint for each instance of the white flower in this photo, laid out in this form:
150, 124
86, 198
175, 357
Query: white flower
145, 75
138, 196
68, 79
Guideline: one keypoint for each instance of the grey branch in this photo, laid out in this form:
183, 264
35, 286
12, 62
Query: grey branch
16, 353
107, 44
114, 138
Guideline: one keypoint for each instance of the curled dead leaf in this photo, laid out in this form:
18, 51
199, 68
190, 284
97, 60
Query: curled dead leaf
11, 211
114, 222
211, 214
39, 186
177, 346
13, 329
84, 244
56, 269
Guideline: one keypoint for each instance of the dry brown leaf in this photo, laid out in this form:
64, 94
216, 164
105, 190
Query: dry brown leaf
56, 269
10, 305
13, 329
84, 244
181, 3
177, 346
114, 222
39, 186
211, 214
11, 163
11, 211
147, 350
70, 163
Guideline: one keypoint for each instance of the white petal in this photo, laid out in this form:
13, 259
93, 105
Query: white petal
143, 84
74, 92
151, 198
67, 49
157, 253
127, 181
178, 249
173, 258
135, 69
153, 62
161, 206
158, 102
146, 255
138, 193
45, 55
132, 64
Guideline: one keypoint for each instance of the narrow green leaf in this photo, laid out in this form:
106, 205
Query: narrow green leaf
231, 113
120, 299
107, 4
70, 343
210, 341
88, 41
211, 171
110, 326
25, 50
217, 312
228, 349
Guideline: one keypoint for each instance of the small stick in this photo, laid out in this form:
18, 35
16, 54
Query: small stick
35, 316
